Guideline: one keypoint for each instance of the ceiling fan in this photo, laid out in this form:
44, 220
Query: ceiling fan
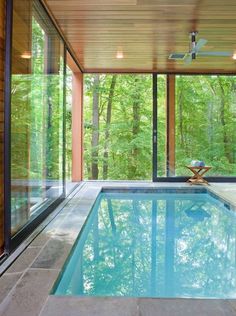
195, 51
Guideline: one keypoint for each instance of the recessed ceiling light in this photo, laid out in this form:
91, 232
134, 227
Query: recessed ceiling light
26, 55
119, 54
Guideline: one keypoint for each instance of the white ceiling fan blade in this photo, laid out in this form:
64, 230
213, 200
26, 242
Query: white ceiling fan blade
217, 54
200, 44
177, 56
188, 59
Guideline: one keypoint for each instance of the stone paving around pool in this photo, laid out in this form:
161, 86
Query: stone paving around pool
25, 286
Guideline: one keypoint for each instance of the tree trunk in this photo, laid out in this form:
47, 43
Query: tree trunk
210, 130
95, 128
180, 103
107, 131
226, 139
233, 113
135, 131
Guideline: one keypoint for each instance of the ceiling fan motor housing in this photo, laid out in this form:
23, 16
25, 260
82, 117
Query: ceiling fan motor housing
193, 41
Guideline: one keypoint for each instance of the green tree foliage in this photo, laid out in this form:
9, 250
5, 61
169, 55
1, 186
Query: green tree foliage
206, 122
124, 145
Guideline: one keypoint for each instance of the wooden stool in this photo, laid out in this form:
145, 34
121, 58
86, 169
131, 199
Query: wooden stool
198, 173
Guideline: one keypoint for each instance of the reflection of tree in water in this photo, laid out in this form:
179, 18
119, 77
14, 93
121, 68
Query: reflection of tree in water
205, 254
152, 247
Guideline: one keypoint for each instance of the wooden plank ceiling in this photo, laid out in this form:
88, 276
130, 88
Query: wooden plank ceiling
146, 32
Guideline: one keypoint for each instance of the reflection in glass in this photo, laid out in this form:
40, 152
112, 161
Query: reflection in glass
36, 113
154, 245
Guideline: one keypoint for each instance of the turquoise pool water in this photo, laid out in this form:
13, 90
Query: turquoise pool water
154, 245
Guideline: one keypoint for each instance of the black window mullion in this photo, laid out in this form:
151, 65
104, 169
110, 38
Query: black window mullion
154, 130
7, 127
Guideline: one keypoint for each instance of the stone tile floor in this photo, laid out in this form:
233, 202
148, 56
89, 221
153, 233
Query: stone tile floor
25, 286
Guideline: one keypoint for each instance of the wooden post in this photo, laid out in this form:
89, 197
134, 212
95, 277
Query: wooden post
2, 45
170, 126
77, 127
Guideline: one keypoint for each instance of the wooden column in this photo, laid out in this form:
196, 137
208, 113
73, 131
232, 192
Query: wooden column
170, 126
2, 46
77, 127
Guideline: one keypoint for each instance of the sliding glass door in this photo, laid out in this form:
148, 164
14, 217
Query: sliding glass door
37, 114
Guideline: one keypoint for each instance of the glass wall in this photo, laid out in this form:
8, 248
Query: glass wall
36, 113
199, 122
205, 115
118, 127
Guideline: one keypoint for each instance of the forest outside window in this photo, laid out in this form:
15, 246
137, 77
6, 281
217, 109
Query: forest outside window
205, 128
196, 120
118, 127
